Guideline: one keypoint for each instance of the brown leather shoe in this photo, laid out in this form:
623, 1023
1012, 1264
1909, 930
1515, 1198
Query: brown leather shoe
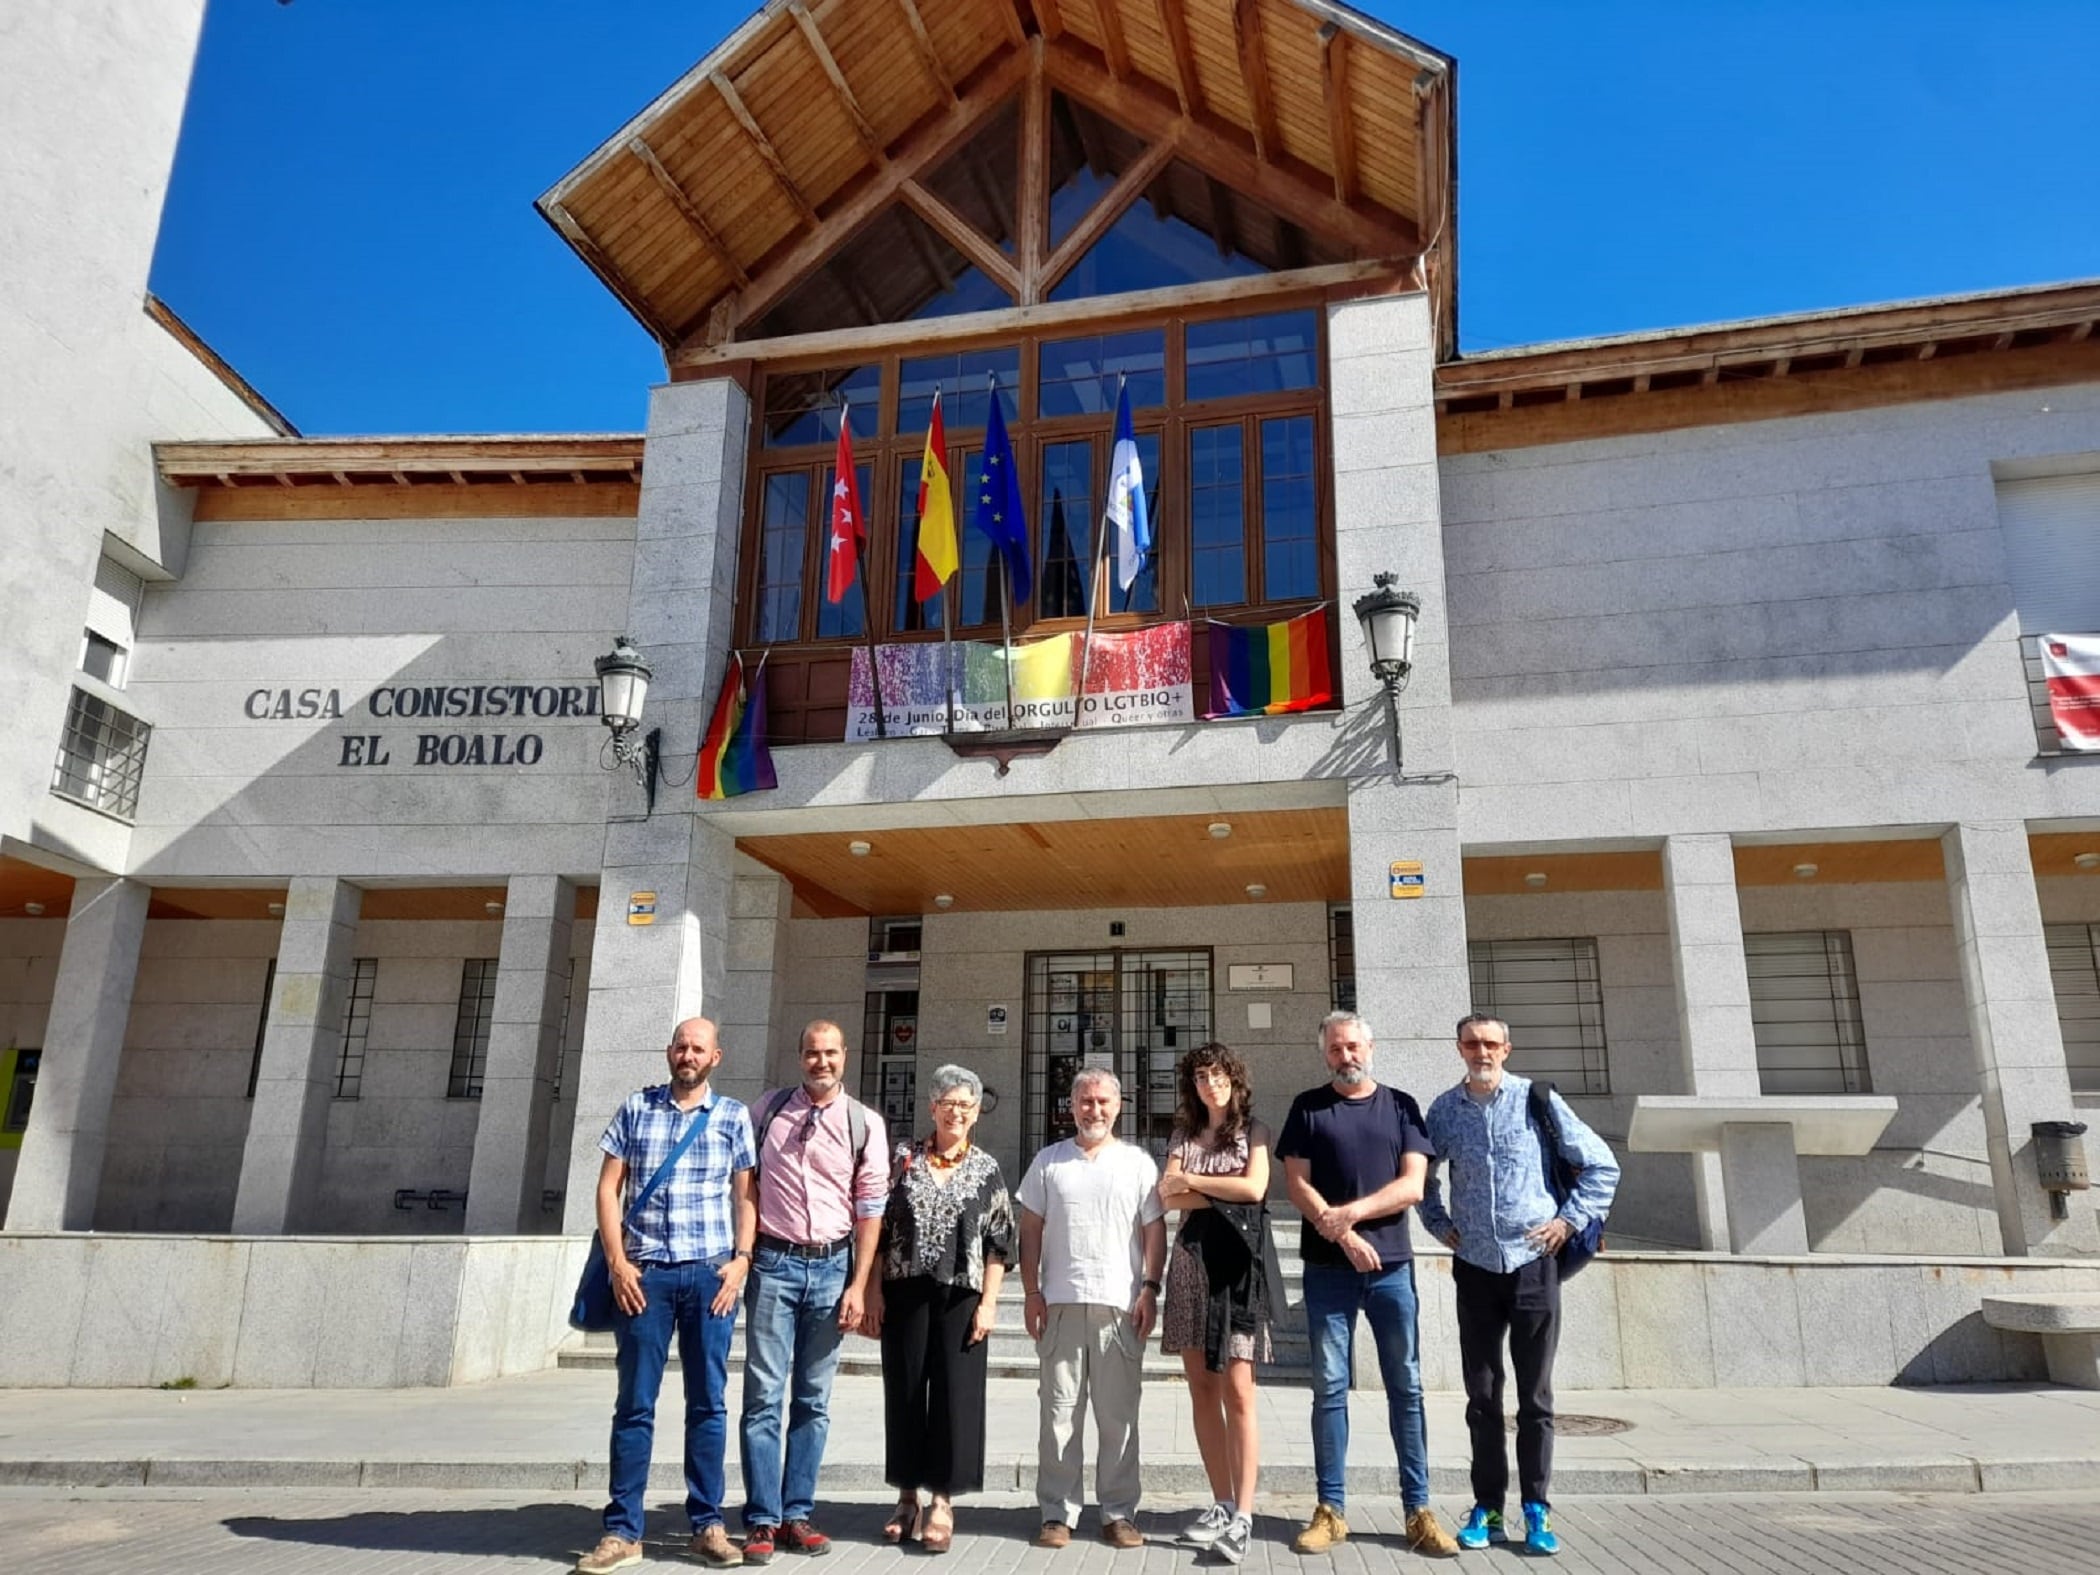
1426, 1534
1055, 1534
1122, 1534
712, 1547
611, 1553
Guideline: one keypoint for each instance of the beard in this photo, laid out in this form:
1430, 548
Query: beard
1353, 1076
1095, 1131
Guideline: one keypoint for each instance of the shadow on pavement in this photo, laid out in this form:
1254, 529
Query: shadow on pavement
560, 1533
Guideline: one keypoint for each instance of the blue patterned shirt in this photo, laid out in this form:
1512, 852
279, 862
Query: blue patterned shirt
692, 1215
1498, 1173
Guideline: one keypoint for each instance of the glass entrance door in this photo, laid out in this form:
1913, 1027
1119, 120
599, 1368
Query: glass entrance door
1134, 1013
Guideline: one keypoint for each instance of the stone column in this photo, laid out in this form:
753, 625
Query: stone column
510, 1132
302, 1046
2013, 1026
750, 1021
646, 978
1412, 982
59, 1169
1714, 1033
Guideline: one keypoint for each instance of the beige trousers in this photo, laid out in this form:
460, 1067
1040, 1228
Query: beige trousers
1088, 1352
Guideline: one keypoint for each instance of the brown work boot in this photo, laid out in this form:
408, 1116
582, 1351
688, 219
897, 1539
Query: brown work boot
1324, 1530
611, 1553
1426, 1534
1120, 1533
712, 1547
1055, 1534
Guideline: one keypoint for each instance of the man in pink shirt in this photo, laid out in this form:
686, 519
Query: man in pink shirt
822, 1181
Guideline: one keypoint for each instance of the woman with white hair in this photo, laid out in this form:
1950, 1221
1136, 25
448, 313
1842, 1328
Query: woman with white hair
946, 1238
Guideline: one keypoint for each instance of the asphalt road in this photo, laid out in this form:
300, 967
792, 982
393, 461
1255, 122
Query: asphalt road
370, 1532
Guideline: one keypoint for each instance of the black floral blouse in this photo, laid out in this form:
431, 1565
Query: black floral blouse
947, 1231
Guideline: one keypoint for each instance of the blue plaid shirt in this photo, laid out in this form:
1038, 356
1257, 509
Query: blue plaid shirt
1498, 1173
691, 1216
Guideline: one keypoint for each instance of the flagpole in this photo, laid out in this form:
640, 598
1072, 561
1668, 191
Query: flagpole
1098, 543
947, 617
1006, 586
867, 594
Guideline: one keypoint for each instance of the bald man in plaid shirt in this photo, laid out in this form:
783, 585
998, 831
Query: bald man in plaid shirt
678, 1265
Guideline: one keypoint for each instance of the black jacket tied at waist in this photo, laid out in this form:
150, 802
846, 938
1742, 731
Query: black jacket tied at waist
1229, 1240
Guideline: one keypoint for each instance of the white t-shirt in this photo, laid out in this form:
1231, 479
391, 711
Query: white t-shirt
1093, 1212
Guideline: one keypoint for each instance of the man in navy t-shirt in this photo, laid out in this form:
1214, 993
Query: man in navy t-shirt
1355, 1155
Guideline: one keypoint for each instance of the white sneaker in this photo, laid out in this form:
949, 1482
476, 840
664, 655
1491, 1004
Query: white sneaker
1231, 1545
1205, 1529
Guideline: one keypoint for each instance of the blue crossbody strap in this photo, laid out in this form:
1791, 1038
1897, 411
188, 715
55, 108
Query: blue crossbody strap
671, 1159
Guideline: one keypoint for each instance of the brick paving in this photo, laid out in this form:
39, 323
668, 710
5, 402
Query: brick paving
406, 1532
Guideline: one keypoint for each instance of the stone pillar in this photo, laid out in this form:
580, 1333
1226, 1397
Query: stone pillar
2013, 1026
646, 978
59, 1169
1761, 1176
1713, 1007
1412, 982
510, 1133
302, 1046
752, 1031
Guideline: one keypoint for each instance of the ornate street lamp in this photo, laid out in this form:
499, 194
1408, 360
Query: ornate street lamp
623, 687
1388, 618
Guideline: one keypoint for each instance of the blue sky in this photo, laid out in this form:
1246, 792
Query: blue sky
351, 223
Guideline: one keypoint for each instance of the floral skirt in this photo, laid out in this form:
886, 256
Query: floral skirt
1188, 1302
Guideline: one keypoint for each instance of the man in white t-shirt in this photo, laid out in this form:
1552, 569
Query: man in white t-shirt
1093, 1248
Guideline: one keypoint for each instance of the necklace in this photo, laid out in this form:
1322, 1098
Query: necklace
947, 1162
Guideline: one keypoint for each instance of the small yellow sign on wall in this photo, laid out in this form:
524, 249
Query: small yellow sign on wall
1406, 878
641, 907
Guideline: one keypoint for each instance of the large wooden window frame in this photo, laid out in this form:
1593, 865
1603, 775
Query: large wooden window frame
884, 457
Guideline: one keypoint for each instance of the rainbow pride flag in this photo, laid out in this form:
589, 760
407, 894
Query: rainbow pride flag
1275, 668
733, 756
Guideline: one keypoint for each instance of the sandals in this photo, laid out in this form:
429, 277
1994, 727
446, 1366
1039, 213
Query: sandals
939, 1531
902, 1526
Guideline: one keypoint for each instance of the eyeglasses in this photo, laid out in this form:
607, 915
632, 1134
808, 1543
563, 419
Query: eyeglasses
956, 1106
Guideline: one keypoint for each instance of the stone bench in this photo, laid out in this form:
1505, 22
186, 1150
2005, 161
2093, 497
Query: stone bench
2067, 1321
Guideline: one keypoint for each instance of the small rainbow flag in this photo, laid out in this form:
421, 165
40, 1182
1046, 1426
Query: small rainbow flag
1276, 668
733, 756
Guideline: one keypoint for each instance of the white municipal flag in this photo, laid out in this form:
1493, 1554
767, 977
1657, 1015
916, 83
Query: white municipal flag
1125, 514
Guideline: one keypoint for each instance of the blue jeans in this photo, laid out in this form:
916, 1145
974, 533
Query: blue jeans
1333, 1297
677, 1296
791, 1350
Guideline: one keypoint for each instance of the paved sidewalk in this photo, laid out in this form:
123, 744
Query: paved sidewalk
548, 1431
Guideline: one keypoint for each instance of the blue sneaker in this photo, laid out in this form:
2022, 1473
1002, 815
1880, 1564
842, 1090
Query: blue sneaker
1538, 1530
1483, 1525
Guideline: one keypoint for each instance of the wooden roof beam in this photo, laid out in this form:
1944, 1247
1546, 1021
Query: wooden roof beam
1049, 20
762, 145
1222, 228
688, 210
1094, 314
1289, 189
1114, 47
964, 236
1174, 22
923, 150
1032, 191
601, 265
1254, 71
1341, 126
922, 44
1099, 218
813, 36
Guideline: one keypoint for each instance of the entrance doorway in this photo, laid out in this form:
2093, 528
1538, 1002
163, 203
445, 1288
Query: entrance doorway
1134, 1012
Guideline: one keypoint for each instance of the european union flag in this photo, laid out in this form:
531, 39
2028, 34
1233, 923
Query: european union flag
999, 513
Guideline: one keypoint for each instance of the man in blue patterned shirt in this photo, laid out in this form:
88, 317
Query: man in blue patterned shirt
1505, 1226
678, 1265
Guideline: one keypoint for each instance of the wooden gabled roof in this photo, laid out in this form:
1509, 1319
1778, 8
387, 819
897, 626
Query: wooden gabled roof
817, 116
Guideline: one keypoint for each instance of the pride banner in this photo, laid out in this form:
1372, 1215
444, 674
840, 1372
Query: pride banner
1135, 678
1273, 668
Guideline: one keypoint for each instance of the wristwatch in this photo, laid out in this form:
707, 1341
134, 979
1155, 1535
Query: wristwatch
741, 1252
1153, 1286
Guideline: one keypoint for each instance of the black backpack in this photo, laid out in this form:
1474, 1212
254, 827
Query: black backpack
1585, 1244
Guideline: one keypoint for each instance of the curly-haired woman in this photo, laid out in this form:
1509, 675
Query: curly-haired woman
1217, 1306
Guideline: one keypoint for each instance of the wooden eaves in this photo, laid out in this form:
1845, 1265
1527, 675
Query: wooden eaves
1769, 367
588, 459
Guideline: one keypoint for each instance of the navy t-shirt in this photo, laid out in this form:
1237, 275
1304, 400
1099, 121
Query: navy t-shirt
1352, 1148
